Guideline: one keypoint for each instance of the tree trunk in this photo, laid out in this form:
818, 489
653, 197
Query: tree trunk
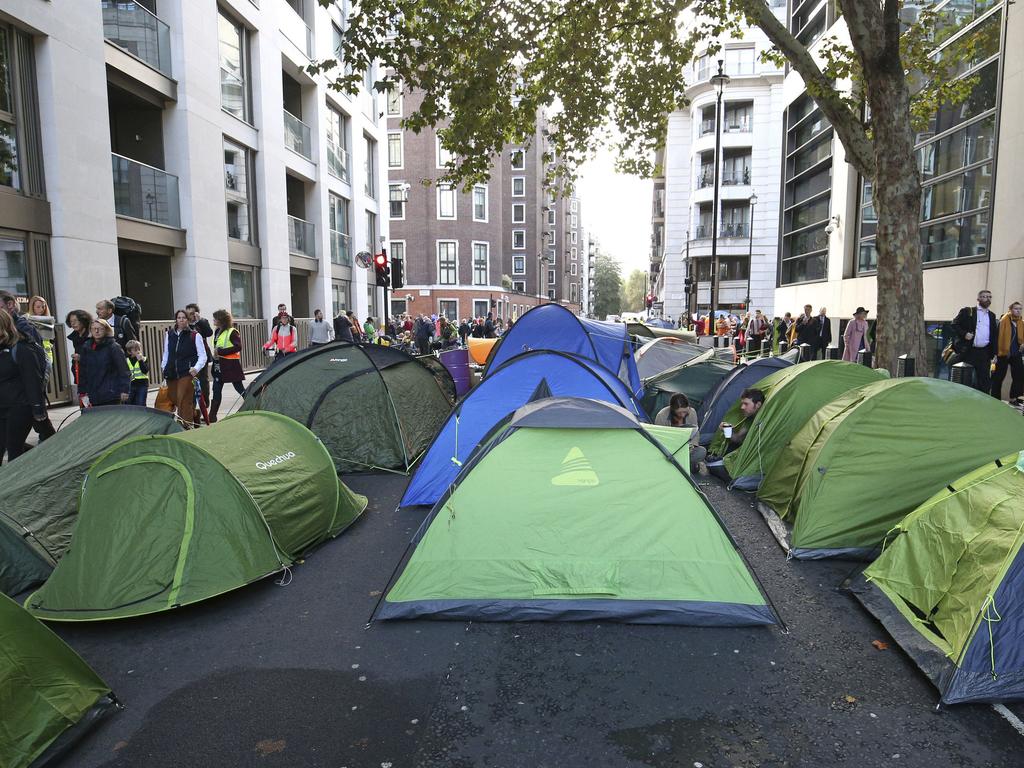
897, 201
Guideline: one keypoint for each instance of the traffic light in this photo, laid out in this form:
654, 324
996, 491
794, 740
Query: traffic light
380, 268
397, 273
650, 301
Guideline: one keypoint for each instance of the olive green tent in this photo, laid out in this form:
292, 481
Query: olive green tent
167, 521
791, 396
950, 587
39, 503
575, 510
374, 407
695, 379
48, 696
865, 460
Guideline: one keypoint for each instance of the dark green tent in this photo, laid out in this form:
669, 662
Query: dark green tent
374, 407
695, 379
168, 521
48, 696
39, 503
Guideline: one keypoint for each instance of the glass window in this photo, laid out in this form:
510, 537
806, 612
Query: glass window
518, 160
445, 201
480, 203
518, 239
958, 239
574, 253
9, 176
234, 88
449, 308
371, 232
982, 98
518, 265
518, 186
481, 257
444, 157
337, 40
574, 292
574, 221
551, 277
397, 251
573, 269
370, 168
243, 293
551, 215
738, 117
574, 206
447, 262
13, 276
238, 191
337, 144
338, 218
957, 194
396, 201
574, 237
395, 149
394, 104
739, 61
518, 213
966, 146
480, 308
340, 292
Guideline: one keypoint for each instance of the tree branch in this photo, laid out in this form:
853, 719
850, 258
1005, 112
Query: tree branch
847, 124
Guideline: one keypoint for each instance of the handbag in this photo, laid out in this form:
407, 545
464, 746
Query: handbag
950, 355
163, 400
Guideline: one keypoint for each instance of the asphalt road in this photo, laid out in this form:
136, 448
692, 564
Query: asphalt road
289, 676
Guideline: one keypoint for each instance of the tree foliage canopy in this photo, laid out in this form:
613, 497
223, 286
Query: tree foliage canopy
634, 291
607, 286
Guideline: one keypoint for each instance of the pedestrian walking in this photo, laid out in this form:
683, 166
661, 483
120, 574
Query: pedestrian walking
283, 339
78, 320
227, 358
976, 329
464, 330
343, 328
822, 334
423, 332
370, 330
804, 331
124, 331
357, 328
22, 398
201, 326
40, 317
1008, 354
138, 374
855, 337
104, 370
320, 333
184, 354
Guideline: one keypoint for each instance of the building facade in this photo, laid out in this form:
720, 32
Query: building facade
500, 247
176, 151
749, 163
969, 156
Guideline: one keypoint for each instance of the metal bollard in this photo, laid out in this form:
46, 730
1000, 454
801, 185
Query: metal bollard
864, 357
783, 347
904, 366
766, 348
805, 352
832, 353
962, 373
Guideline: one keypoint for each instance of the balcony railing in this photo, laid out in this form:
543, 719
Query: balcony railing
301, 237
702, 231
738, 124
738, 229
144, 192
297, 136
706, 178
341, 249
130, 26
337, 161
706, 127
736, 177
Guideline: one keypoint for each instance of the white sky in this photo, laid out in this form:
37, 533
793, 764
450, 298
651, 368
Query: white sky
617, 211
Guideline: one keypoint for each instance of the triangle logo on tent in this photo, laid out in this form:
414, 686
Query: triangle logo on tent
576, 470
543, 390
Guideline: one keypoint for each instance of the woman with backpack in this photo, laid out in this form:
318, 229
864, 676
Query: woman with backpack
227, 358
103, 368
184, 356
284, 338
21, 388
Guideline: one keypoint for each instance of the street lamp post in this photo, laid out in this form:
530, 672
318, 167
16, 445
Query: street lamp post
750, 248
719, 81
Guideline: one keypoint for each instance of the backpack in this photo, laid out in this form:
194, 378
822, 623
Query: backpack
129, 309
39, 355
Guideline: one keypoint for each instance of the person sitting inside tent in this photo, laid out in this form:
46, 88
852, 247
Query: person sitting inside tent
679, 413
750, 403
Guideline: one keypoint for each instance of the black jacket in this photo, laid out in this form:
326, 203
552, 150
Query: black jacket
103, 372
805, 331
966, 321
822, 332
21, 381
343, 329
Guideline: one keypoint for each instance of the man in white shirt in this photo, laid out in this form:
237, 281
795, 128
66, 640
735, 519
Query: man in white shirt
976, 330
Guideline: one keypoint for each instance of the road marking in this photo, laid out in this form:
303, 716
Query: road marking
1011, 718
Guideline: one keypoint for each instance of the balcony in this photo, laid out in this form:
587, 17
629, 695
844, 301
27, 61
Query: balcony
737, 229
703, 231
144, 192
337, 162
341, 249
706, 178
301, 237
135, 29
736, 177
297, 136
706, 127
738, 124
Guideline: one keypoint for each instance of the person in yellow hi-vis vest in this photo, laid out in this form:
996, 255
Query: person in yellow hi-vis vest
138, 373
227, 358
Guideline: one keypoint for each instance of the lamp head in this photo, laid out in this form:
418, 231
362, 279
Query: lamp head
719, 80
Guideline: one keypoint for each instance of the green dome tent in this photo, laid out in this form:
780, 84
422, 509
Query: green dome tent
39, 503
374, 407
48, 696
575, 510
865, 460
168, 521
695, 378
950, 588
791, 396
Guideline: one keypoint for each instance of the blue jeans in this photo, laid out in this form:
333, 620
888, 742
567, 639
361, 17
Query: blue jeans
138, 392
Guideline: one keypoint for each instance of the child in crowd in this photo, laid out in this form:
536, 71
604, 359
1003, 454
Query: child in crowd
138, 368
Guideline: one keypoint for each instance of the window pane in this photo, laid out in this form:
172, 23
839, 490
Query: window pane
982, 98
371, 232
808, 213
394, 150
236, 190
6, 97
243, 298
958, 239
370, 168
804, 269
394, 101
337, 144
446, 202
518, 186
480, 203
518, 213
960, 193
8, 156
969, 145
446, 271
232, 67
12, 267
480, 252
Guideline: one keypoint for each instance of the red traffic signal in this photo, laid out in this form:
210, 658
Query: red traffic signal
380, 260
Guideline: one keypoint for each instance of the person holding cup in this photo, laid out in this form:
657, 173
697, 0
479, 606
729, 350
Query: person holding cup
750, 403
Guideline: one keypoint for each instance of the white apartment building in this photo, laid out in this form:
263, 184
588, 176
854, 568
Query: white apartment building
177, 151
971, 160
750, 163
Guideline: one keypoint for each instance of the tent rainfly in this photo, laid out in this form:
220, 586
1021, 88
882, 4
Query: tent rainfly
791, 396
49, 697
168, 521
39, 505
525, 377
868, 458
575, 510
712, 411
374, 407
552, 326
947, 588
661, 354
